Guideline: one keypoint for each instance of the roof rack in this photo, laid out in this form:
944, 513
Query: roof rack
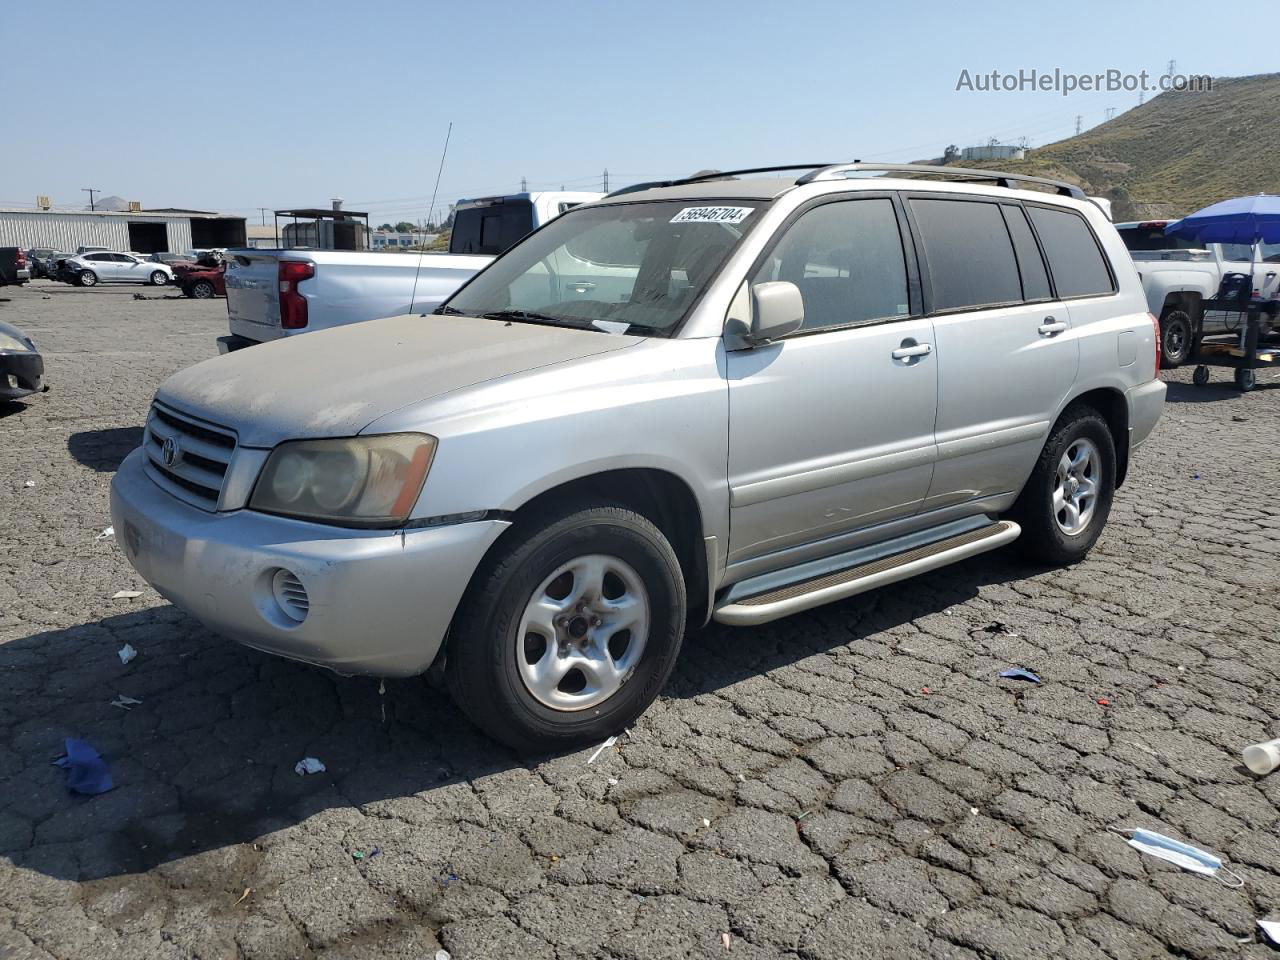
1010, 181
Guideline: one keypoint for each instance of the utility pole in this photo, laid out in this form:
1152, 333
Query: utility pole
1173, 66
90, 191
606, 180
1078, 119
1111, 112
524, 184
263, 211
1142, 97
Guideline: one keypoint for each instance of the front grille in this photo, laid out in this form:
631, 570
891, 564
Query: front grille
200, 454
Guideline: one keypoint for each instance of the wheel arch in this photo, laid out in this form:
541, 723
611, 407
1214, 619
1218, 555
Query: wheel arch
1111, 404
661, 496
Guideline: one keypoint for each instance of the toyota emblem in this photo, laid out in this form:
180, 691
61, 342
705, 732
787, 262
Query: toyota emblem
169, 450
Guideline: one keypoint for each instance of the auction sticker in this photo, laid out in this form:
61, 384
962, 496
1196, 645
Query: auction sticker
713, 214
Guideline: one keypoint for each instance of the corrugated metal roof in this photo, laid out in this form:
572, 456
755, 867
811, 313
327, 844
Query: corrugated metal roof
135, 215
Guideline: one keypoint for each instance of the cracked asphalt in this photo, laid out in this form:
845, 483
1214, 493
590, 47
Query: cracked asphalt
852, 782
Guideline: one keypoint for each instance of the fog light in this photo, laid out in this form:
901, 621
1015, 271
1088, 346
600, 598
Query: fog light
12, 381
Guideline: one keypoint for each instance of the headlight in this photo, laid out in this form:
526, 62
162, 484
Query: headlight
13, 343
360, 482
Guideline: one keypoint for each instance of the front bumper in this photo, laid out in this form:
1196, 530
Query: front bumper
1146, 402
21, 373
380, 600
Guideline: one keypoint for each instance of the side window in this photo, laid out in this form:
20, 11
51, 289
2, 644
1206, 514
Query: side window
1078, 267
122, 258
846, 257
969, 253
99, 257
1035, 279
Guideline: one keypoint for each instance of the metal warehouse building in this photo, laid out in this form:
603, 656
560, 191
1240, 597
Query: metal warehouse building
143, 231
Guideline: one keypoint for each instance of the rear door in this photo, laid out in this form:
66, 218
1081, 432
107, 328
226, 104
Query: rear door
1005, 352
831, 428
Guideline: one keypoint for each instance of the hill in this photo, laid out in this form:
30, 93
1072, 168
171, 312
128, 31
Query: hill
1176, 153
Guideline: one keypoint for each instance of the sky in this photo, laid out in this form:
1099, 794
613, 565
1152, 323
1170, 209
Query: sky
236, 105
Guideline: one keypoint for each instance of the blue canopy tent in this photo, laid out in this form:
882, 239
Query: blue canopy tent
1253, 220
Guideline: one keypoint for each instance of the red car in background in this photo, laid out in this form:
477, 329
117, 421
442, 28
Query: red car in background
203, 282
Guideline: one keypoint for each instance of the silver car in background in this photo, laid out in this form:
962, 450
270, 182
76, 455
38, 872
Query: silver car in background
728, 399
110, 267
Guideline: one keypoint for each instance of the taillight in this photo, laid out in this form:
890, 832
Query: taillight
293, 305
22, 259
1155, 324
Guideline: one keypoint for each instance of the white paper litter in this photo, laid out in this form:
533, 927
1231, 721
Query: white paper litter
127, 653
443, 955
1272, 929
308, 765
109, 532
706, 822
603, 747
126, 594
29, 483
124, 703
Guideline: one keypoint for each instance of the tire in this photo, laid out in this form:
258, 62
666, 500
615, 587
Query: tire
1045, 538
1246, 379
1176, 337
496, 643
1201, 376
159, 278
200, 290
87, 278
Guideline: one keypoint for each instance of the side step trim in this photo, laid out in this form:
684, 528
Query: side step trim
784, 601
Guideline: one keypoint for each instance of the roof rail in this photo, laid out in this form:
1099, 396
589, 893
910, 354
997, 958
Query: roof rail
1010, 181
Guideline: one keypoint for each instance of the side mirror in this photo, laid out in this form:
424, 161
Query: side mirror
777, 309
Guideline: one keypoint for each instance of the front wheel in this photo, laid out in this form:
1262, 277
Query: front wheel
88, 278
570, 631
1176, 337
1067, 500
200, 290
159, 278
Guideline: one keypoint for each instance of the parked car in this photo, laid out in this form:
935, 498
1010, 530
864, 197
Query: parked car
730, 400
283, 293
62, 267
36, 261
95, 268
1179, 276
13, 266
21, 366
204, 284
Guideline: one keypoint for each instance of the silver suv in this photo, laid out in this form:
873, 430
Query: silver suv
722, 399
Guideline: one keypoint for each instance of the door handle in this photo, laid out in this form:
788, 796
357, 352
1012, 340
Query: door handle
1051, 327
911, 349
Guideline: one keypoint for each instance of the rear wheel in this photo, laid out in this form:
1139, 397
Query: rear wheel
200, 290
570, 631
1176, 335
1067, 500
88, 278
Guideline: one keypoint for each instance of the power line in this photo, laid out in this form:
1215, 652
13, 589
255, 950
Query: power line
90, 191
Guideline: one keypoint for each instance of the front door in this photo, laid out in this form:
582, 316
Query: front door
831, 428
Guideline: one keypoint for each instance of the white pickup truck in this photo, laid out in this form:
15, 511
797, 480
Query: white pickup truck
1179, 276
281, 293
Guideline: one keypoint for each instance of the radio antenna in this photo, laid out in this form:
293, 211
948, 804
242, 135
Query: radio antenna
431, 212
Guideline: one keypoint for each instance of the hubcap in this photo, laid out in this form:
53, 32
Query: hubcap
1075, 490
1175, 339
583, 632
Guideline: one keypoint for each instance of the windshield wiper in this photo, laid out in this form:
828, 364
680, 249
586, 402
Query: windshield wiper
448, 311
528, 316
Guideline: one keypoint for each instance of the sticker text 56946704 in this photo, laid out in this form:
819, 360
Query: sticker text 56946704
713, 214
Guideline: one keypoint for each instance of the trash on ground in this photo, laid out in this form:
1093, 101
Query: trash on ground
127, 653
308, 765
925, 690
973, 811
1239, 419
244, 896
1104, 702
1272, 930
125, 703
126, 594
1195, 476
798, 819
1262, 758
603, 747
707, 823
109, 532
374, 852
1178, 853
87, 772
357, 854
995, 626
1020, 673
443, 955
726, 940
446, 880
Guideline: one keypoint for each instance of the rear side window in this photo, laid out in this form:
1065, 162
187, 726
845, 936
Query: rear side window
1078, 267
970, 255
490, 229
1035, 279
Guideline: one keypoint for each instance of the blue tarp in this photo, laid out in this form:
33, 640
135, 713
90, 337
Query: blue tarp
1239, 220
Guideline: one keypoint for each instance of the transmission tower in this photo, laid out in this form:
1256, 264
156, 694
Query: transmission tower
1078, 119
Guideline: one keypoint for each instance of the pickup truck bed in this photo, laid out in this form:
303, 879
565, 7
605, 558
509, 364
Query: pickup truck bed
344, 287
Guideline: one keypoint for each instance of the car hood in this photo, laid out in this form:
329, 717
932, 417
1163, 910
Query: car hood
334, 383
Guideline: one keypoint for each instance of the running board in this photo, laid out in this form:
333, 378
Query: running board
816, 591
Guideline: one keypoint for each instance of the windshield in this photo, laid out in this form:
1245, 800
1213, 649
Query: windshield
624, 268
